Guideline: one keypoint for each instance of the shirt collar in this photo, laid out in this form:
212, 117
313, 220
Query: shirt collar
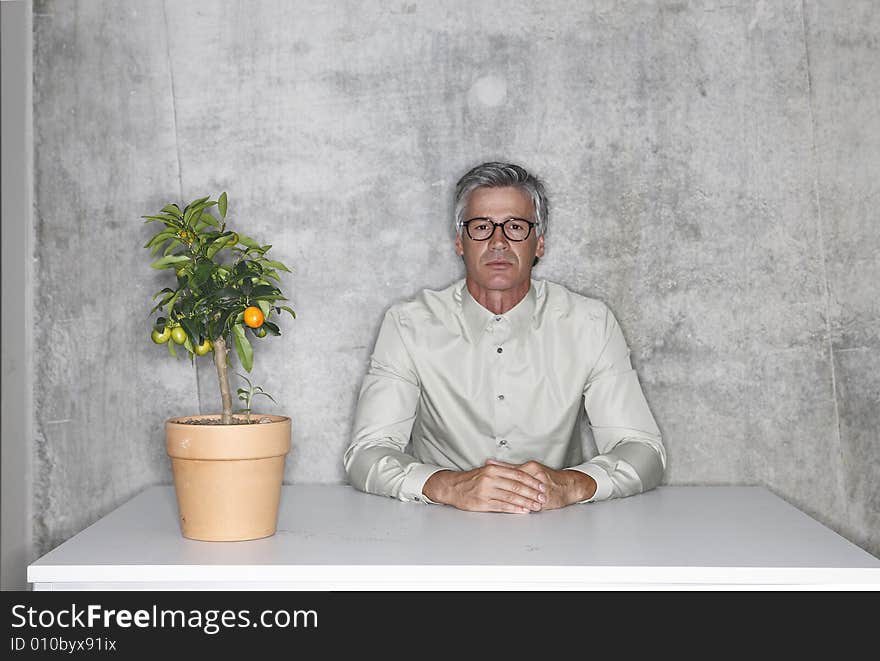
477, 318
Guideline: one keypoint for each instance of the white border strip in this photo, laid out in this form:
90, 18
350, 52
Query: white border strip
453, 577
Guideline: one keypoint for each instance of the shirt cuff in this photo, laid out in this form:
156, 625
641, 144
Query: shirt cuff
411, 488
604, 486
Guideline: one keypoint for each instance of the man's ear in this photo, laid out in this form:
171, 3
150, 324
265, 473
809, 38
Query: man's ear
539, 251
459, 248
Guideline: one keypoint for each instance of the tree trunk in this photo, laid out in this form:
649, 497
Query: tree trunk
222, 376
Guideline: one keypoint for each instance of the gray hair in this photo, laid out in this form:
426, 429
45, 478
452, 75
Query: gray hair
502, 175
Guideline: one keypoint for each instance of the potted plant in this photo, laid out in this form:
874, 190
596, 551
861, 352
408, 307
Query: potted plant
227, 468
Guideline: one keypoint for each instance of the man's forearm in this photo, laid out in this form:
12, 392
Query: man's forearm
383, 469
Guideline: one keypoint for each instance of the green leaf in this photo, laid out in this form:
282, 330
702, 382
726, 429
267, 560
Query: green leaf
230, 319
171, 302
171, 350
193, 332
292, 313
162, 236
169, 261
265, 290
243, 347
254, 253
215, 247
161, 303
207, 220
172, 245
227, 292
247, 241
198, 206
172, 209
272, 328
265, 394
221, 204
165, 218
202, 274
192, 207
275, 265
158, 247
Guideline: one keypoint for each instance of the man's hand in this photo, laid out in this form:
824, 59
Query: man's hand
562, 487
494, 487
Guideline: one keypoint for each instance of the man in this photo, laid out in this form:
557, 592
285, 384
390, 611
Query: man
473, 394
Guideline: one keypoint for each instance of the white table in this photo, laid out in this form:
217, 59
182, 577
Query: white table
333, 537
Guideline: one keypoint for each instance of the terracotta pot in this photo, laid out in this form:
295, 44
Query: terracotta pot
228, 477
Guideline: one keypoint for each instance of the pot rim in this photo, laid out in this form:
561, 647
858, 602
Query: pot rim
221, 442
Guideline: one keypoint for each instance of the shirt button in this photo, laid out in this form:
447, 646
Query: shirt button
497, 318
500, 349
502, 442
501, 397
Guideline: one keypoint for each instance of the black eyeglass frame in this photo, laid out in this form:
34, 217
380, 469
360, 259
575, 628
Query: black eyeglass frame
503, 227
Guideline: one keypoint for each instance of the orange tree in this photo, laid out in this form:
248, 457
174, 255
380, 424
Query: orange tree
224, 287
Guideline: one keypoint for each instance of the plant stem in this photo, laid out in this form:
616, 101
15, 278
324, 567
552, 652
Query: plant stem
222, 376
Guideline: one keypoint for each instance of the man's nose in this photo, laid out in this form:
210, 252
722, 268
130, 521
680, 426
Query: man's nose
498, 241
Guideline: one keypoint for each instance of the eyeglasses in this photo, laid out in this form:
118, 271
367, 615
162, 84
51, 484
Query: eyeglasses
482, 229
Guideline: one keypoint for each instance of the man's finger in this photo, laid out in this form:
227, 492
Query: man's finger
505, 506
516, 497
516, 474
531, 469
496, 462
518, 467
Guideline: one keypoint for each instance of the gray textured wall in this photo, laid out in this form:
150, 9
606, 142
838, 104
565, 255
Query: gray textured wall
713, 172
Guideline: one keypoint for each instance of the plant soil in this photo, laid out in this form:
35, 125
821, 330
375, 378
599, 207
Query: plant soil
255, 419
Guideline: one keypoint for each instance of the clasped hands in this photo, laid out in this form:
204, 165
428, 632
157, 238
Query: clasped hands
497, 486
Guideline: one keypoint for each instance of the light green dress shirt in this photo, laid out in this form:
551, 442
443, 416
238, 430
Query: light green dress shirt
451, 384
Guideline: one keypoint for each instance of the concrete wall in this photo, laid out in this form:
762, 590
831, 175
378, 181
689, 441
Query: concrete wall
712, 168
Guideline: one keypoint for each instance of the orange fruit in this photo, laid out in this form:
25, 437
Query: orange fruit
253, 316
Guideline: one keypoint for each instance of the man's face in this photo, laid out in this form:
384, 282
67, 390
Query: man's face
498, 263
